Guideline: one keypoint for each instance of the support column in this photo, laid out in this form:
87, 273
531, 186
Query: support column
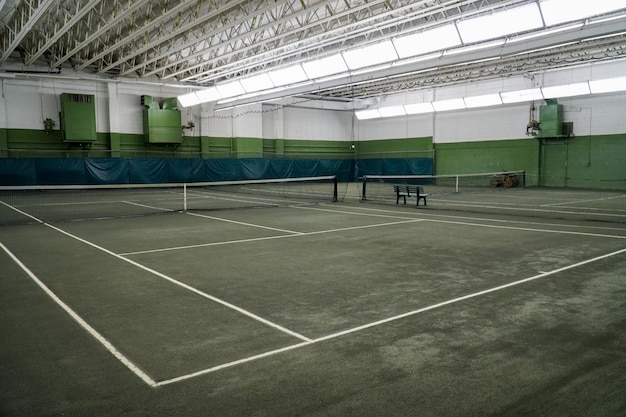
114, 120
205, 112
4, 124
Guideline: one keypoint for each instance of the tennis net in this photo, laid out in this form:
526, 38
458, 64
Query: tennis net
32, 204
500, 194
380, 187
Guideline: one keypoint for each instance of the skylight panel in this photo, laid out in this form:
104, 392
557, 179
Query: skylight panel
608, 85
452, 104
418, 108
230, 89
392, 111
208, 94
323, 67
567, 90
560, 11
188, 100
500, 24
370, 55
432, 40
518, 96
288, 75
367, 114
257, 83
483, 101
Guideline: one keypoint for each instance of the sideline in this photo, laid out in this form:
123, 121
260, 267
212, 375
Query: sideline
93, 332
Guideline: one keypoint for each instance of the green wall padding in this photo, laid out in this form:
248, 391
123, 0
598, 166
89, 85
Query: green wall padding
489, 156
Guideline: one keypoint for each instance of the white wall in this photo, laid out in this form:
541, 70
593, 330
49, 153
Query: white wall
592, 115
27, 102
315, 124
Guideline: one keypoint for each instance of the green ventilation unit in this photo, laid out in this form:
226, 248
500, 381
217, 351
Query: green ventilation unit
78, 118
551, 120
161, 123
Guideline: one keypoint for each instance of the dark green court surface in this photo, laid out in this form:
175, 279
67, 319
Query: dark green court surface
460, 308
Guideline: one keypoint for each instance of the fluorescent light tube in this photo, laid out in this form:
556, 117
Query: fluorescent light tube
367, 114
567, 90
452, 104
608, 86
518, 96
188, 100
432, 40
230, 89
392, 111
323, 67
560, 11
370, 55
257, 83
483, 101
288, 75
418, 108
499, 24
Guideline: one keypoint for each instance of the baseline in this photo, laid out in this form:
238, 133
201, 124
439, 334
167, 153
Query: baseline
389, 319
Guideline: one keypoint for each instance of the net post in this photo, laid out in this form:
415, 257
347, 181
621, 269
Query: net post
524, 179
185, 196
335, 196
364, 187
456, 186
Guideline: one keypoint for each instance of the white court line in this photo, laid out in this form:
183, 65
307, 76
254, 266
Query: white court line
256, 239
21, 212
185, 286
147, 206
231, 364
529, 209
202, 245
388, 320
585, 201
527, 229
424, 214
93, 332
389, 216
242, 223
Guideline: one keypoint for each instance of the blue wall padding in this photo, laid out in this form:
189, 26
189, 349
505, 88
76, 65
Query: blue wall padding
148, 171
57, 171
18, 171
107, 171
394, 166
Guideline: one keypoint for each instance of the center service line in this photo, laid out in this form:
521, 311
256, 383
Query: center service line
185, 286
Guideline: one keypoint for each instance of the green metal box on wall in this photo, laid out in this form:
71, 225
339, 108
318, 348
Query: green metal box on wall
78, 118
551, 119
161, 124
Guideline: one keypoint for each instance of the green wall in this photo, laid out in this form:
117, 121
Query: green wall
585, 161
489, 156
396, 148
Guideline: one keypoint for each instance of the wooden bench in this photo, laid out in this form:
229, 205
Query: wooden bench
405, 191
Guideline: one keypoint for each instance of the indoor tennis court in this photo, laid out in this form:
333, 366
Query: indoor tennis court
312, 208
324, 308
